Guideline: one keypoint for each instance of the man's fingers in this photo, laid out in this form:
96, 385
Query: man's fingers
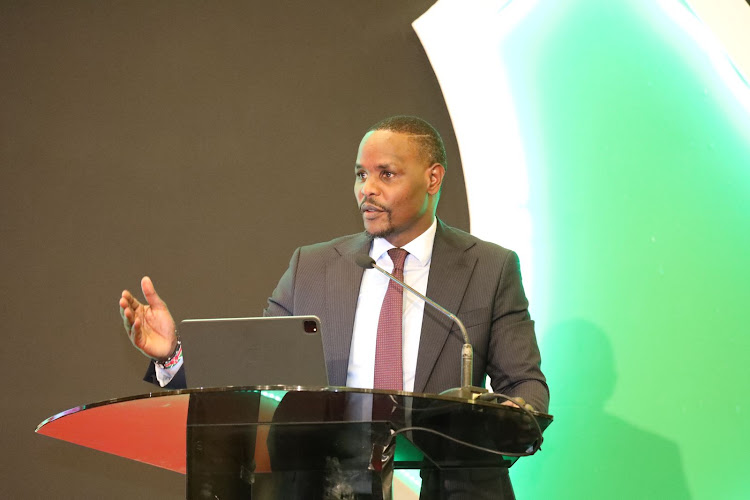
127, 300
123, 303
135, 333
149, 292
129, 315
128, 319
517, 402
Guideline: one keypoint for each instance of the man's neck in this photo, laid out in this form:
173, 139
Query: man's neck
419, 247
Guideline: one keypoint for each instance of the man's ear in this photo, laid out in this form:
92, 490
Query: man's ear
436, 172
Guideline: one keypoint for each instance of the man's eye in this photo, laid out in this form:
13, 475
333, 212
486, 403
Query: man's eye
360, 175
387, 174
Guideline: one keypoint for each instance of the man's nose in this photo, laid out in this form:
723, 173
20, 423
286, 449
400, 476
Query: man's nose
369, 187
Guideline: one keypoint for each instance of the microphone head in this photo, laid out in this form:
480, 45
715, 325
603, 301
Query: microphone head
364, 261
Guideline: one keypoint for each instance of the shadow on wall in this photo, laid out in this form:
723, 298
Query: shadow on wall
589, 453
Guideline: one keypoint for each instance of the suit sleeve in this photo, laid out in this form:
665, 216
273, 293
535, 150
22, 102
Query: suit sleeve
514, 360
281, 301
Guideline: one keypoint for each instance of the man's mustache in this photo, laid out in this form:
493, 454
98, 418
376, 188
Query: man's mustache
371, 205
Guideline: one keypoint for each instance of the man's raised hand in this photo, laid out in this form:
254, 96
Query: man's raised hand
149, 326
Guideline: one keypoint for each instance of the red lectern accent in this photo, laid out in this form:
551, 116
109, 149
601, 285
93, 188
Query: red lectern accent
139, 429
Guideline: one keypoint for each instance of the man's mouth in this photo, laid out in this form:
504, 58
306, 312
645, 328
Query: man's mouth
370, 208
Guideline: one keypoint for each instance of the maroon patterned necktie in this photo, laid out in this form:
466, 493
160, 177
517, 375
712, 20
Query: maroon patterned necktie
389, 371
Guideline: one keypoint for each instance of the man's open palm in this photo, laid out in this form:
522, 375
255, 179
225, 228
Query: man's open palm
149, 326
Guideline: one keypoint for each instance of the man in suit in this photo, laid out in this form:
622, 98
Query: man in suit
398, 177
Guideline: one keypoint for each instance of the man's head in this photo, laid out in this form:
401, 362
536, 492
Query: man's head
398, 176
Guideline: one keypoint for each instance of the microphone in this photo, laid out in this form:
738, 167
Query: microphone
467, 389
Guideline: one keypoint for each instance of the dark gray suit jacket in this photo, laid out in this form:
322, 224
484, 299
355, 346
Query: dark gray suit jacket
479, 281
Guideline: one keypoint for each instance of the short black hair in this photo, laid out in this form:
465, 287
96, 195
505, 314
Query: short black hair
430, 143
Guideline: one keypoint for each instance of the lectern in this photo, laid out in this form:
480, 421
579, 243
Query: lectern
301, 442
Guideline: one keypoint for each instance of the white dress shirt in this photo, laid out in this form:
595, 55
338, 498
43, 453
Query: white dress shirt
361, 371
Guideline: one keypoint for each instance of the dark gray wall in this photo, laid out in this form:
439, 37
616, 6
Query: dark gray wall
198, 142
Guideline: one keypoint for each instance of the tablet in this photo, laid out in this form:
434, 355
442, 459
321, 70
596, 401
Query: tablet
284, 350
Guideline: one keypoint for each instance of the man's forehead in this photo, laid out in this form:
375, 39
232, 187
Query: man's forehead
379, 157
390, 143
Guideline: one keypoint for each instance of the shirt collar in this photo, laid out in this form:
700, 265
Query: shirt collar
420, 247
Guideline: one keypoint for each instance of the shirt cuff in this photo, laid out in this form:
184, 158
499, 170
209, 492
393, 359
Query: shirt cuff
165, 375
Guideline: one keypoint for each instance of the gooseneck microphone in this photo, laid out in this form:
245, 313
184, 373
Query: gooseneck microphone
467, 389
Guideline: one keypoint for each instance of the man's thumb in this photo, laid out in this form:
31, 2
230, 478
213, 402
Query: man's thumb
149, 292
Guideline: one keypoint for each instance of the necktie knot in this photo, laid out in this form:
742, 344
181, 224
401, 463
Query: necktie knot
398, 256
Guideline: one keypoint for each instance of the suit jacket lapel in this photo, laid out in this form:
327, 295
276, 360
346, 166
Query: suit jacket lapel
450, 271
343, 279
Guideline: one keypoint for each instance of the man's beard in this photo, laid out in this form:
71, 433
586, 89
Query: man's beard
389, 229
383, 233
